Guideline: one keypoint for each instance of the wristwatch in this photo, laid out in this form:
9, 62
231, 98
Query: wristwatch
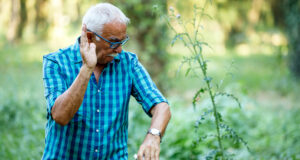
154, 132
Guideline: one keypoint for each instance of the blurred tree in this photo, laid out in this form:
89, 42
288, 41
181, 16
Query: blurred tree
151, 34
232, 16
286, 16
18, 19
41, 25
78, 11
23, 19
237, 18
292, 21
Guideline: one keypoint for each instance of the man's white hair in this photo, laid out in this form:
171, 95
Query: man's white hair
103, 13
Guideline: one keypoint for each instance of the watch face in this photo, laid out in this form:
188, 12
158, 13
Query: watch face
155, 131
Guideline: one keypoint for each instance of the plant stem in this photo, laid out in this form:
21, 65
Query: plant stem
214, 106
216, 117
200, 59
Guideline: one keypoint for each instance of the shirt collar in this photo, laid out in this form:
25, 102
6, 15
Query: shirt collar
77, 56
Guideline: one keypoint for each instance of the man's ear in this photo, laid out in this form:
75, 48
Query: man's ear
89, 36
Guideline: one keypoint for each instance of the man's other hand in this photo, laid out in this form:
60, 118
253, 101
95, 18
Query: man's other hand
87, 50
150, 148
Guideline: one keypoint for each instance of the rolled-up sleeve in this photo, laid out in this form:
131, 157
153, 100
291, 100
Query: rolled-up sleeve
53, 82
144, 89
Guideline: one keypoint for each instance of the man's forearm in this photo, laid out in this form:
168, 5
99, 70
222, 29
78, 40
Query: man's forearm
161, 115
150, 148
67, 104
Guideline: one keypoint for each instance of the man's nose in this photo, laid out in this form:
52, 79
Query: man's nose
118, 49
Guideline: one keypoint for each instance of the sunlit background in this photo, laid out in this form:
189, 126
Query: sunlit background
254, 52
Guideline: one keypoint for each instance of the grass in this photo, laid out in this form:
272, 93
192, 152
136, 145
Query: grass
268, 120
22, 107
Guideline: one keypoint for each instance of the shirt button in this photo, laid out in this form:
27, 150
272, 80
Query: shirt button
96, 150
98, 110
97, 130
98, 90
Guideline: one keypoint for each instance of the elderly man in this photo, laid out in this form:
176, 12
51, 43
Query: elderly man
88, 87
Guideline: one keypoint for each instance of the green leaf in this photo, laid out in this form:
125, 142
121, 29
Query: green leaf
230, 96
202, 117
187, 72
201, 90
220, 116
177, 36
204, 66
174, 40
185, 60
233, 135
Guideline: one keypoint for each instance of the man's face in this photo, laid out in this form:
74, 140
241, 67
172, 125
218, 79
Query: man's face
114, 32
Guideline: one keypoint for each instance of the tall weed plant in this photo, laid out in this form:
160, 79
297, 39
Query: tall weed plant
210, 126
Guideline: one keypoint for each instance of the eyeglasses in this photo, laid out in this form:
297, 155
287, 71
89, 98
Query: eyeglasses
113, 45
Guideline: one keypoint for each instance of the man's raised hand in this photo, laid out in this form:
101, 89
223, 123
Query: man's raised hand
87, 50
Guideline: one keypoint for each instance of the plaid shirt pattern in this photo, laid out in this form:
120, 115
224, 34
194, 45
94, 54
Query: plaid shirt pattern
99, 129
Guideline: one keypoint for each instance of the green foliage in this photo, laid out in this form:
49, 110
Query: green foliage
269, 119
270, 124
22, 107
195, 45
271, 133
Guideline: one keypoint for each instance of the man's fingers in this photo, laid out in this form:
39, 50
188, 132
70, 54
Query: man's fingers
152, 154
83, 38
140, 154
147, 152
157, 154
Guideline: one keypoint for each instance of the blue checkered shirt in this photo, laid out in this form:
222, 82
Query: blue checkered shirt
99, 129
